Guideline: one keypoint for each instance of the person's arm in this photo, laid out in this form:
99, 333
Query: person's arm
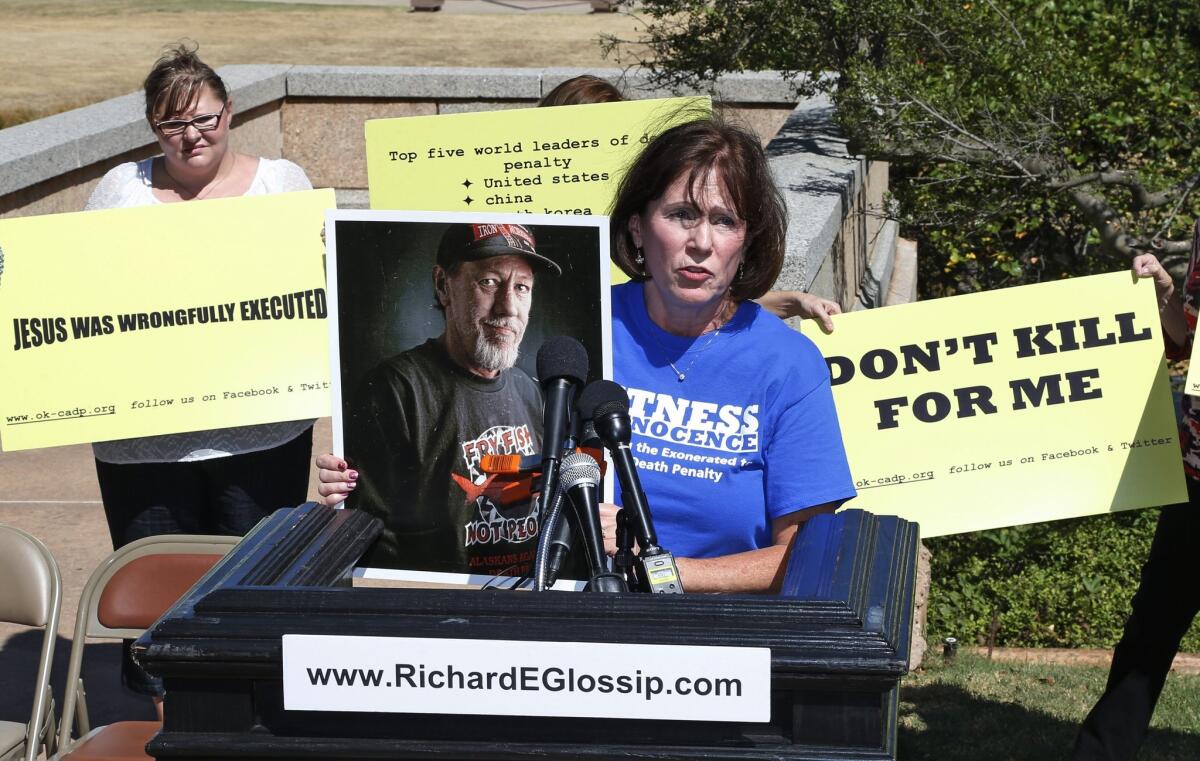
806, 474
760, 570
785, 304
1170, 302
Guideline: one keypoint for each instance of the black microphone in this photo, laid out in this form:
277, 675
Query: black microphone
607, 404
580, 482
562, 366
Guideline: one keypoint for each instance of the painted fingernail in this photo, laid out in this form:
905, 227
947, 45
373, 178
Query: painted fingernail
341, 466
353, 475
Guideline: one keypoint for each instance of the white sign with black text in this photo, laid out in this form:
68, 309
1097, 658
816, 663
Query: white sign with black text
514, 678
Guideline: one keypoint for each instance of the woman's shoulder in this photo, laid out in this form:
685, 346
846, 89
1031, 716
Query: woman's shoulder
769, 327
282, 176
624, 290
778, 343
127, 171
626, 298
119, 185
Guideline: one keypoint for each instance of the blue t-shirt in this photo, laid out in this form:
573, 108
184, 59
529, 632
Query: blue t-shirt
749, 435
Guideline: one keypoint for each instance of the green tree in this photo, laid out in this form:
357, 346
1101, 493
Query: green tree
1029, 139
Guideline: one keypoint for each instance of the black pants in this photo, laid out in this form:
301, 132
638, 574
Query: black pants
1166, 601
225, 495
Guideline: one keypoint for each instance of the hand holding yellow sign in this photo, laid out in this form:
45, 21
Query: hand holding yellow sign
1007, 407
124, 326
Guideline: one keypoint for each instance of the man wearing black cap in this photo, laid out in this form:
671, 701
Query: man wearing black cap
423, 419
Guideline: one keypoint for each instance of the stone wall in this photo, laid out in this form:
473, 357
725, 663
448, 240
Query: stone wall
835, 204
838, 244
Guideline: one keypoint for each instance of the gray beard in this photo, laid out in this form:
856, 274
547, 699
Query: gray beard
494, 357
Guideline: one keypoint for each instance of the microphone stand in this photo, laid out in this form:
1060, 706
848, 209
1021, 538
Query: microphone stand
654, 569
562, 532
624, 559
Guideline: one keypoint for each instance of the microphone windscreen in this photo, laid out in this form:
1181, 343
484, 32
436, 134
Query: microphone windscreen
562, 357
578, 468
602, 397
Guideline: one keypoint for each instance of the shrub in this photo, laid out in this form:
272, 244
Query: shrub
1063, 584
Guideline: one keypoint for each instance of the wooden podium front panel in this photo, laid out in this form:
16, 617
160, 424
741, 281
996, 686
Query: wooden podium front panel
838, 635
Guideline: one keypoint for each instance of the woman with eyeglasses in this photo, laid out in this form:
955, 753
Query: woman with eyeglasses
220, 481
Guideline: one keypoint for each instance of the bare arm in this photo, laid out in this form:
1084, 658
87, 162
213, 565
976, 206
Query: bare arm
759, 570
785, 304
754, 571
1170, 304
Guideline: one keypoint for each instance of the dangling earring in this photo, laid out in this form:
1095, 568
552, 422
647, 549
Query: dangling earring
638, 259
741, 273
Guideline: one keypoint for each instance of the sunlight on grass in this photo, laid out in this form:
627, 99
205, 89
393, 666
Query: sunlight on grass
985, 710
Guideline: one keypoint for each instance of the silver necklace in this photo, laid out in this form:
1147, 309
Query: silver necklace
682, 374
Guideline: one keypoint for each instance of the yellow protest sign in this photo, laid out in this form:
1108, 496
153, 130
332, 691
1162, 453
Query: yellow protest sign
1007, 407
563, 160
163, 319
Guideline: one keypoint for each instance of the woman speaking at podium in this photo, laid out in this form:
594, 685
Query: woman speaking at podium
736, 435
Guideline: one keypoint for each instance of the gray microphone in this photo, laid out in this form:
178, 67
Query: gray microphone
579, 481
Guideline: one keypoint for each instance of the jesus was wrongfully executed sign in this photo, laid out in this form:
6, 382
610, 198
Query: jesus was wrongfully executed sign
142, 321
1007, 407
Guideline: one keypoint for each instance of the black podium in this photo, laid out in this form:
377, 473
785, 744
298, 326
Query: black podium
838, 636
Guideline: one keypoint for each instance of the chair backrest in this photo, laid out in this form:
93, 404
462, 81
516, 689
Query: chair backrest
130, 590
31, 595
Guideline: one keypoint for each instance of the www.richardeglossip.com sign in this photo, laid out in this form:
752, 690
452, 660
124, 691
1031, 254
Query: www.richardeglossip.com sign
513, 678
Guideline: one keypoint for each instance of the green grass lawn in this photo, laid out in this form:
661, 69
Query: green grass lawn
973, 708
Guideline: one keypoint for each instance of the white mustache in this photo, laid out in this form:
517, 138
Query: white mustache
507, 323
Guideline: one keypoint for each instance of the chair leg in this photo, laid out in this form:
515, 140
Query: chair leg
83, 725
50, 732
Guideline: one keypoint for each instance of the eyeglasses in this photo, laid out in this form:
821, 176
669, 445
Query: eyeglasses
202, 123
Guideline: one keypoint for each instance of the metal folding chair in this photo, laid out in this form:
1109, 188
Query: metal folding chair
30, 595
126, 594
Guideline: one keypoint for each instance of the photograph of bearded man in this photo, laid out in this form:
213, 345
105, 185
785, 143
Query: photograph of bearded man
431, 386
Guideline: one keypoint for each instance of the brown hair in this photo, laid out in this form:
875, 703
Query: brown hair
693, 149
175, 82
580, 90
